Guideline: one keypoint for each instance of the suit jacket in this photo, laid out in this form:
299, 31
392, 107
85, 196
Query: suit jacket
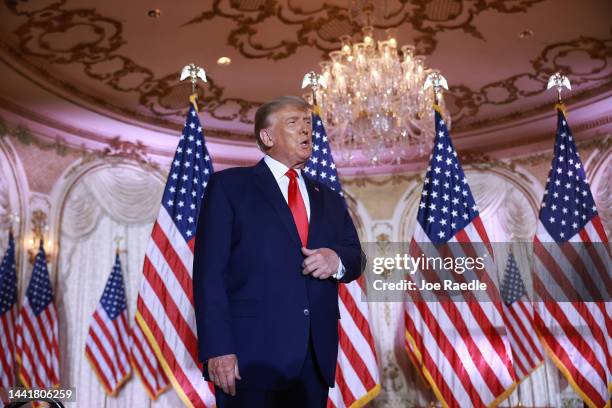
250, 296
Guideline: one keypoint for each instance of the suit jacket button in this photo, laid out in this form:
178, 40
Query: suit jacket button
306, 312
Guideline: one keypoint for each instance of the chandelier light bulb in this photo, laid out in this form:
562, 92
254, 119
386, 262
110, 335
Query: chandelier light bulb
374, 103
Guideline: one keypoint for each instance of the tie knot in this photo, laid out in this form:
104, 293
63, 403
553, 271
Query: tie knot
291, 174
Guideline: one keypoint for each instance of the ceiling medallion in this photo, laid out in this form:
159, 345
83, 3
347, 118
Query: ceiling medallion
374, 102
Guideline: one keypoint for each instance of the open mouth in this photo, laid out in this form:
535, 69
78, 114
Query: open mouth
305, 143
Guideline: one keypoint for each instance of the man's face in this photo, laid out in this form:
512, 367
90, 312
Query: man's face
289, 137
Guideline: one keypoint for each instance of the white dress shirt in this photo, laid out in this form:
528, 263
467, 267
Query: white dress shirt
279, 171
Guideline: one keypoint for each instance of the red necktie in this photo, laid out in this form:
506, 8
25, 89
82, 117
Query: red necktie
297, 207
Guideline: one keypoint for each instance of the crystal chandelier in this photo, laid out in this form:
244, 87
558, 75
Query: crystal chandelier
373, 102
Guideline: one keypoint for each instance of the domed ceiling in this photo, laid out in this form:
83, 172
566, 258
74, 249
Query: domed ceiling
85, 64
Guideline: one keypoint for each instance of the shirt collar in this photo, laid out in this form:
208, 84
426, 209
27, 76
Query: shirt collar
278, 169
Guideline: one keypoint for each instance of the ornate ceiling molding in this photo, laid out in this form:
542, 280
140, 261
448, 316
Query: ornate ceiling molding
320, 24
55, 33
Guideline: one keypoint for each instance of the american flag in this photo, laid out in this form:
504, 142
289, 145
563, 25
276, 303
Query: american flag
576, 334
526, 348
37, 348
146, 364
460, 345
357, 378
165, 310
106, 346
8, 315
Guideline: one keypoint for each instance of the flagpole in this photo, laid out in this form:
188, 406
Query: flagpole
117, 241
193, 73
559, 81
314, 81
436, 81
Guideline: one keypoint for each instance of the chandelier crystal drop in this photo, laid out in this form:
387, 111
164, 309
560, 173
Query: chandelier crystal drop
374, 104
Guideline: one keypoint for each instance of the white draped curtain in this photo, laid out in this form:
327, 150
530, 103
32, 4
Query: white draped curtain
105, 204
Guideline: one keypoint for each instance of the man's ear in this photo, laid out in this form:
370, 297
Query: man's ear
266, 138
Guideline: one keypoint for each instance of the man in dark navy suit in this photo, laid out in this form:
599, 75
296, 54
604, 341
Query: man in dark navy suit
271, 247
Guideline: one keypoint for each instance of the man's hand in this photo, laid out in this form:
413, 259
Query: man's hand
223, 371
320, 263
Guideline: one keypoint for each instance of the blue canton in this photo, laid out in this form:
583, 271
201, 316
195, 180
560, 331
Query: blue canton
40, 292
113, 298
321, 166
447, 204
512, 288
8, 278
568, 204
189, 174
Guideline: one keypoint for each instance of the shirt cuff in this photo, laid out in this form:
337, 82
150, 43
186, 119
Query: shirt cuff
340, 272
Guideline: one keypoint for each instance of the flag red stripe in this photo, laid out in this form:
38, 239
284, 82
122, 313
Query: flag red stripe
529, 338
101, 374
345, 391
356, 361
553, 271
34, 368
594, 327
39, 353
360, 321
449, 350
52, 319
432, 367
167, 352
172, 311
575, 337
111, 341
518, 343
487, 328
564, 358
145, 378
485, 369
600, 268
103, 352
578, 266
8, 354
112, 363
482, 233
596, 222
121, 320
173, 260
10, 315
522, 336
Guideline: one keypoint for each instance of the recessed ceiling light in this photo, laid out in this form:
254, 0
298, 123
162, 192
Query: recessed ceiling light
224, 61
154, 13
525, 34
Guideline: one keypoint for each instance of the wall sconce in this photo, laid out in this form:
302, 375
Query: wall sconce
40, 229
